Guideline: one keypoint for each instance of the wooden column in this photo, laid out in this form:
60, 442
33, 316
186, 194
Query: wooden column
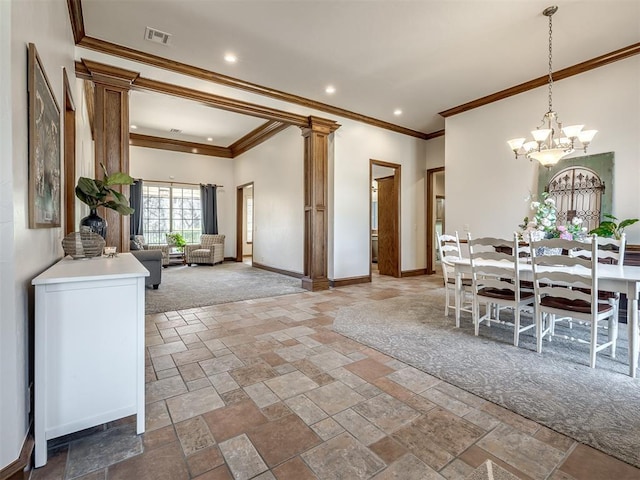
111, 124
315, 202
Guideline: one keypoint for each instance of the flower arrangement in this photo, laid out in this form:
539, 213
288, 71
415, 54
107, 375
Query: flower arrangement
543, 223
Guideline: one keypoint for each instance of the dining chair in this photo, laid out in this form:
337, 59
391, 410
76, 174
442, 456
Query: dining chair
495, 269
566, 285
610, 251
449, 250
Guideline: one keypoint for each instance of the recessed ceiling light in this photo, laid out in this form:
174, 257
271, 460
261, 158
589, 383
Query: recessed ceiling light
133, 127
330, 89
397, 112
209, 139
230, 58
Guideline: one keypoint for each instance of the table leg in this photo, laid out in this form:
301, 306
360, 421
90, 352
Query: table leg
632, 325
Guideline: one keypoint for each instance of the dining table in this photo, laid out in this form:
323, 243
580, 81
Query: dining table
614, 278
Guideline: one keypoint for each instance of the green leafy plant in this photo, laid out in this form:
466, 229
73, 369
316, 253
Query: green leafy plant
100, 193
176, 239
610, 228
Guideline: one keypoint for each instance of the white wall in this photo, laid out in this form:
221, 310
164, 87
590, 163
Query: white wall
355, 144
276, 168
486, 187
46, 24
435, 152
166, 166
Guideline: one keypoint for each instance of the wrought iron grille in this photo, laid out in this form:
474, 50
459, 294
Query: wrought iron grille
577, 192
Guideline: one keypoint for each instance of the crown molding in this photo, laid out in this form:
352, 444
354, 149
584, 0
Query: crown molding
203, 74
436, 134
77, 20
244, 144
161, 143
256, 137
585, 66
217, 101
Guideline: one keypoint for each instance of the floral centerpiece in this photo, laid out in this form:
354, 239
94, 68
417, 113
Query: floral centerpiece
543, 223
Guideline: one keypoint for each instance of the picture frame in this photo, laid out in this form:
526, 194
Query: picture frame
44, 147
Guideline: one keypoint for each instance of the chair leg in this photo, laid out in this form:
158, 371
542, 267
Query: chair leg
476, 315
594, 344
613, 328
446, 299
516, 326
538, 315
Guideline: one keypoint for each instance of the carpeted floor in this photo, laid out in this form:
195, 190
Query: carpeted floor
185, 287
599, 407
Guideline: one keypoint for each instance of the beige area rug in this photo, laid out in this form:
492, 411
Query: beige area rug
599, 407
186, 287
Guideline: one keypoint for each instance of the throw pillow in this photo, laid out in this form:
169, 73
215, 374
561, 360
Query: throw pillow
135, 245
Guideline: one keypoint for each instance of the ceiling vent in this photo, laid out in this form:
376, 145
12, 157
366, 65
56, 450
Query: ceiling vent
175, 130
156, 36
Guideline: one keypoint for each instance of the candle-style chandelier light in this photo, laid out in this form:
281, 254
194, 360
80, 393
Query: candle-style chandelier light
551, 142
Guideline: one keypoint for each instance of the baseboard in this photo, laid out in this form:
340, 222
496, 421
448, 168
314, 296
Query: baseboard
413, 273
343, 282
277, 270
15, 470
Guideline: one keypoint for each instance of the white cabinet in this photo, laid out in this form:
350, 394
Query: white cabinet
89, 346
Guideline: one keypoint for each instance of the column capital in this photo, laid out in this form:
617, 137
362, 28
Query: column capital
320, 125
110, 75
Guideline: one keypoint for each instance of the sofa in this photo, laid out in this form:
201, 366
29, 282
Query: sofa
210, 250
152, 261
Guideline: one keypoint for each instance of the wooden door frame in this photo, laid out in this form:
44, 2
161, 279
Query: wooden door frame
69, 157
239, 222
429, 206
397, 177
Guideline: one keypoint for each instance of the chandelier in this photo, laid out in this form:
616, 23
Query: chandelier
551, 142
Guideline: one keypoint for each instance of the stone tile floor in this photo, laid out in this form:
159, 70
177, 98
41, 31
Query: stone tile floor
265, 389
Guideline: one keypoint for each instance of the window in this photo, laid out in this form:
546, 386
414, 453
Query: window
171, 209
249, 225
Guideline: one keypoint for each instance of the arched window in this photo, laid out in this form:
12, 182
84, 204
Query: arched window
577, 192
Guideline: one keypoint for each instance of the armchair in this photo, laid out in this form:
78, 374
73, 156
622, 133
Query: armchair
139, 243
209, 250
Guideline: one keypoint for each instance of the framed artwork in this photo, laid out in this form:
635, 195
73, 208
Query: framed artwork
44, 147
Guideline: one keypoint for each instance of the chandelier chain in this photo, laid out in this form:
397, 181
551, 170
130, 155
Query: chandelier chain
550, 63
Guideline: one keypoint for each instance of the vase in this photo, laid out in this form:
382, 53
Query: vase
96, 223
83, 244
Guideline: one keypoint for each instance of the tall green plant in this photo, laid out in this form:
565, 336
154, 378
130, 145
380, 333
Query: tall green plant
100, 193
176, 238
610, 228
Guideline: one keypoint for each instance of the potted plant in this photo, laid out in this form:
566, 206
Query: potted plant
609, 228
100, 193
175, 239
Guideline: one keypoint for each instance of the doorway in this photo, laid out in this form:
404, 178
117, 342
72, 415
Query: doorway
435, 209
385, 218
244, 223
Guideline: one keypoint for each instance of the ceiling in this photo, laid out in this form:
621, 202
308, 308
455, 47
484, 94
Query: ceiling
422, 56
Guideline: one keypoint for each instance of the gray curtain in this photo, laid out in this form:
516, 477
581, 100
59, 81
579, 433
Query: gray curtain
135, 201
209, 208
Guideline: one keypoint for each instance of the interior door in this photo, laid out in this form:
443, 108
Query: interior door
388, 248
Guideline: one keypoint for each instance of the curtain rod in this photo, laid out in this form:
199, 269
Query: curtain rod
179, 183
